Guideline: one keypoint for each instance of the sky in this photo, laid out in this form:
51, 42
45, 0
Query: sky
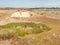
29, 3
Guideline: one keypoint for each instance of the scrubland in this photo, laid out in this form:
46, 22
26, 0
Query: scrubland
43, 28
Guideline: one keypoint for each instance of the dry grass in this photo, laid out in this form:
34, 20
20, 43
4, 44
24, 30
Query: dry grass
51, 37
20, 29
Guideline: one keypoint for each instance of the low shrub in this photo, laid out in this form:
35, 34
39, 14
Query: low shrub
11, 30
20, 32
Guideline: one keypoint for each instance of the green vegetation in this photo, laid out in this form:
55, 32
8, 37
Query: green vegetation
20, 32
20, 29
42, 28
14, 25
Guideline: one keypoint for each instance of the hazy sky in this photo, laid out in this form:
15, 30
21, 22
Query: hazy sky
29, 3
